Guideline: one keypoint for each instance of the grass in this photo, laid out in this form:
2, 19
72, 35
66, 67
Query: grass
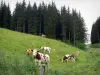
14, 61
97, 45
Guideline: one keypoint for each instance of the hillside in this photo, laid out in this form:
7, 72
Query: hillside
14, 61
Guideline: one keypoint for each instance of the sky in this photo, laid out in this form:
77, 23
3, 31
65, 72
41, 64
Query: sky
90, 9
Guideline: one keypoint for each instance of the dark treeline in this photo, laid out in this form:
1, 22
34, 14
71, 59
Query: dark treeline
66, 25
95, 33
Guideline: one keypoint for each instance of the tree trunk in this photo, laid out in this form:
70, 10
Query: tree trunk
69, 37
98, 36
63, 33
74, 35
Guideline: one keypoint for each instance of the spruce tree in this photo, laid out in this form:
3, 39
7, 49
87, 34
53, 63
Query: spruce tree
95, 32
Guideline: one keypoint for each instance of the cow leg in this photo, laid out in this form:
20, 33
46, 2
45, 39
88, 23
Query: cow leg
47, 65
35, 62
39, 64
49, 51
61, 60
67, 60
44, 51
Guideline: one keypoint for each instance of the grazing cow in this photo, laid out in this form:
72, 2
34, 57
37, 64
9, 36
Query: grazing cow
43, 35
66, 57
46, 49
41, 58
71, 56
29, 51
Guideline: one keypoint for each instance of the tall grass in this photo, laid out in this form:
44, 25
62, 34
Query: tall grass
12, 65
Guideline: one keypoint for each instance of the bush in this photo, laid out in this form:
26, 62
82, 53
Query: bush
81, 45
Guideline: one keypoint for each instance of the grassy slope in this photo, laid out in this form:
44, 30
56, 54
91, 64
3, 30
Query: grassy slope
13, 46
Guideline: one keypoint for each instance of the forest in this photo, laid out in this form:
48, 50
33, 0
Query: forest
66, 24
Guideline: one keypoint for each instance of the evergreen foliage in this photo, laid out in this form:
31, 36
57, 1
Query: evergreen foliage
95, 33
65, 25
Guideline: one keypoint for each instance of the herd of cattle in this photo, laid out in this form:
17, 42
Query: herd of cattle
45, 58
40, 57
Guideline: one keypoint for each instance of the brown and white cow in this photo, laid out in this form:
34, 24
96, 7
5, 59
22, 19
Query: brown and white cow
66, 57
41, 58
71, 56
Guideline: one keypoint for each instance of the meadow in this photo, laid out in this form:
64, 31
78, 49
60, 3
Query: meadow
14, 60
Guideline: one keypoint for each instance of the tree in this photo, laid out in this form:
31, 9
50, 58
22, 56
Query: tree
29, 18
32, 19
59, 28
51, 21
66, 23
79, 30
5, 15
8, 18
95, 32
15, 18
63, 21
1, 14
19, 17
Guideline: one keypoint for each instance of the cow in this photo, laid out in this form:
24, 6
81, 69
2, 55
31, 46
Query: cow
43, 35
44, 48
66, 57
70, 56
41, 58
29, 51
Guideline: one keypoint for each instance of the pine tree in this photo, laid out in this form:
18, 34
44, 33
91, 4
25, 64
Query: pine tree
8, 17
59, 28
1, 14
23, 15
34, 19
5, 15
15, 18
29, 19
79, 31
65, 23
52, 14
95, 32
19, 17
